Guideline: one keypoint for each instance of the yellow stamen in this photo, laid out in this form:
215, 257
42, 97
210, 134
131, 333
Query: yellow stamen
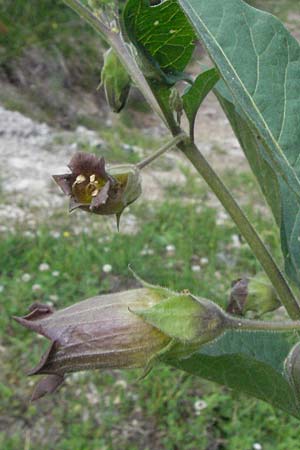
80, 179
95, 192
93, 178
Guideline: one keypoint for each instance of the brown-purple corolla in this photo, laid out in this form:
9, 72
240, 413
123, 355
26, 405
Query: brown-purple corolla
94, 189
98, 333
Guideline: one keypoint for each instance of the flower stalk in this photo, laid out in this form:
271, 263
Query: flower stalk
169, 145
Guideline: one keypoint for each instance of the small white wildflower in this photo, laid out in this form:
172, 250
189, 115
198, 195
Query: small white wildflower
257, 446
204, 261
117, 400
36, 287
55, 273
26, 277
1, 288
53, 298
222, 217
196, 268
28, 234
107, 268
170, 249
106, 249
147, 251
121, 383
236, 243
199, 405
44, 267
55, 234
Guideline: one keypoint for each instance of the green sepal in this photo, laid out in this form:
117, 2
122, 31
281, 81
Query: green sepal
186, 318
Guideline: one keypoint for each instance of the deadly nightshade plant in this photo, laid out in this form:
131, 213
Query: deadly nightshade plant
255, 77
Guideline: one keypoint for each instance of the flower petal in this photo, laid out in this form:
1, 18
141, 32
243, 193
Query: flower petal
100, 198
46, 385
65, 182
87, 164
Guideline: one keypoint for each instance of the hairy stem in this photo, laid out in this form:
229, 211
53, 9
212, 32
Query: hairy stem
116, 42
262, 325
145, 162
246, 229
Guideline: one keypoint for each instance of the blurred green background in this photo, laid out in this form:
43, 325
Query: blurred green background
177, 236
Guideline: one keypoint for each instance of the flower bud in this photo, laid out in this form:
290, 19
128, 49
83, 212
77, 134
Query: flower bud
292, 369
93, 189
125, 330
115, 80
98, 333
253, 294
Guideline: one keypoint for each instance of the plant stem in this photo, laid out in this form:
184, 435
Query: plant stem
280, 284
262, 325
116, 42
196, 158
145, 162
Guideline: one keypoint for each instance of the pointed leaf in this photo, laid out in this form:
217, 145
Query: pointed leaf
259, 62
248, 362
195, 94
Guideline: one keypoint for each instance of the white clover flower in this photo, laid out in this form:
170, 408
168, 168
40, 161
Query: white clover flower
204, 261
55, 234
107, 268
44, 267
146, 251
257, 446
199, 405
55, 273
196, 268
1, 288
36, 287
121, 383
26, 277
170, 249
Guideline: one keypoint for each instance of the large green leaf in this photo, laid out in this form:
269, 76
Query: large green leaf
259, 61
161, 33
281, 199
252, 148
248, 362
195, 94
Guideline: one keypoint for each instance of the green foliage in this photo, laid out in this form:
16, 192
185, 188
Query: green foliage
110, 409
247, 362
195, 94
163, 37
266, 100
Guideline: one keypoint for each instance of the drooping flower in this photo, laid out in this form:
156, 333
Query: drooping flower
128, 329
93, 189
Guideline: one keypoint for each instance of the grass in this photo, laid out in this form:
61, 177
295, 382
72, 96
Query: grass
112, 410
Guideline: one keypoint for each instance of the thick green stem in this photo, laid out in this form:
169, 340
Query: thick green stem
261, 325
145, 162
249, 233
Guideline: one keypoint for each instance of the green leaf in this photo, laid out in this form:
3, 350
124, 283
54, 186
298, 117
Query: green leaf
195, 94
253, 150
249, 362
259, 62
161, 34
